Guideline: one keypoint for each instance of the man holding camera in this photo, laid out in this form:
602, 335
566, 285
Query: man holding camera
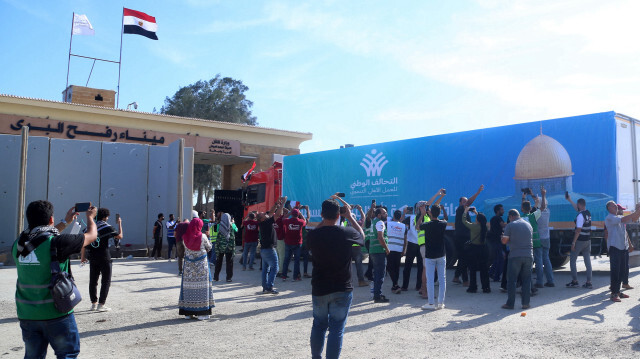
41, 323
618, 245
100, 262
462, 235
331, 288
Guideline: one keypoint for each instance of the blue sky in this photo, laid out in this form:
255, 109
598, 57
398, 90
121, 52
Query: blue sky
356, 72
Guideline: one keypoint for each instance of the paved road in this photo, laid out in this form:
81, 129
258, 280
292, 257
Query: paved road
144, 322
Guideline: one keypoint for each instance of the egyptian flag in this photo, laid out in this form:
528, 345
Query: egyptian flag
136, 22
247, 175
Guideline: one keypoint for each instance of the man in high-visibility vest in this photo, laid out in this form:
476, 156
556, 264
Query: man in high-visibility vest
378, 251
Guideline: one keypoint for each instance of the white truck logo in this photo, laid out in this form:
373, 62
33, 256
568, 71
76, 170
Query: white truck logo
373, 163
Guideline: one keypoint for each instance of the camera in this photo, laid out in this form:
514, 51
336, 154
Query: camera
526, 190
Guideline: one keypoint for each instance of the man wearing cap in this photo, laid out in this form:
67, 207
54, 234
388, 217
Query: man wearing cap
618, 246
292, 228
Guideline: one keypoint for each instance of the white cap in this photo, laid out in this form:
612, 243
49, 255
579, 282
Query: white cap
194, 214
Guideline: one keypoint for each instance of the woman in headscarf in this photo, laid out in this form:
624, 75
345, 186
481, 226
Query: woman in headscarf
225, 246
196, 290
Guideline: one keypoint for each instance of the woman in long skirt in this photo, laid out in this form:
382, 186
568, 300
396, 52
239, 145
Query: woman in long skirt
196, 290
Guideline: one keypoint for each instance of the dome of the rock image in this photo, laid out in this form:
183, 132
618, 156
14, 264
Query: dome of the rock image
543, 157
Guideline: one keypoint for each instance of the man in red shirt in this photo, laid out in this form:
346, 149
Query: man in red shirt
250, 238
292, 241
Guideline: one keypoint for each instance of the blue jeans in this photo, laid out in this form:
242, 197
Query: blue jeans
269, 267
432, 265
379, 270
249, 251
537, 259
329, 312
543, 265
61, 333
356, 256
304, 253
519, 266
172, 243
291, 250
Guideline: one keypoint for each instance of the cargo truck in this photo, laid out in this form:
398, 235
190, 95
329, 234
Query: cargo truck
259, 193
594, 157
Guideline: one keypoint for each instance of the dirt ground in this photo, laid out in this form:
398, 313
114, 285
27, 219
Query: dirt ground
144, 323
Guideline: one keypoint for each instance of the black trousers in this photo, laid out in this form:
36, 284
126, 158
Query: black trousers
618, 265
229, 268
462, 267
393, 266
413, 252
479, 262
503, 282
157, 248
97, 268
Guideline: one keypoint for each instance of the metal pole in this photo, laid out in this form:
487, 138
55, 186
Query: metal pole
634, 159
180, 177
22, 184
90, 72
69, 60
120, 61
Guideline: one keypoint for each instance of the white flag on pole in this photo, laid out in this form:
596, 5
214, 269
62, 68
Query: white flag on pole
81, 25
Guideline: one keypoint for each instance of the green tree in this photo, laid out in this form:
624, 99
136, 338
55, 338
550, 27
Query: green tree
219, 99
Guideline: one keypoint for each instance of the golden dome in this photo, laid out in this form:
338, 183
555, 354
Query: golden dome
543, 157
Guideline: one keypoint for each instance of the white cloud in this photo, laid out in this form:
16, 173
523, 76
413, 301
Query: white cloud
489, 51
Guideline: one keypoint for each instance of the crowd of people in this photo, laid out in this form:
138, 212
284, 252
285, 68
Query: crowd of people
496, 250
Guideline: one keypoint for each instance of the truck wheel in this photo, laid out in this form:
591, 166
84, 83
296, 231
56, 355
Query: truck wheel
559, 261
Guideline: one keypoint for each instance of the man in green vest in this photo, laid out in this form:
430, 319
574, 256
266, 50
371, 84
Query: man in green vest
378, 251
41, 323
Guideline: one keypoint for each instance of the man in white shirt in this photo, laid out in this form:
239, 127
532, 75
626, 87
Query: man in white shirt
397, 243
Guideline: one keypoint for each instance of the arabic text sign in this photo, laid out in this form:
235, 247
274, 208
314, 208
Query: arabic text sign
84, 131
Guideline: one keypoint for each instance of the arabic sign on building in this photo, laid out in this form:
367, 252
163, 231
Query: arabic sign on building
83, 131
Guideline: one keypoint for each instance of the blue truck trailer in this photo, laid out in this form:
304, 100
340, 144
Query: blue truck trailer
594, 157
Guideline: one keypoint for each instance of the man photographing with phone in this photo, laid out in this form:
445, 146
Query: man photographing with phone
41, 323
331, 286
100, 259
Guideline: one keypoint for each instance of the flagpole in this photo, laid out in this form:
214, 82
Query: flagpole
120, 61
73, 16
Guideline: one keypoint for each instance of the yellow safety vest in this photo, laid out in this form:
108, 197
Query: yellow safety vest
421, 233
